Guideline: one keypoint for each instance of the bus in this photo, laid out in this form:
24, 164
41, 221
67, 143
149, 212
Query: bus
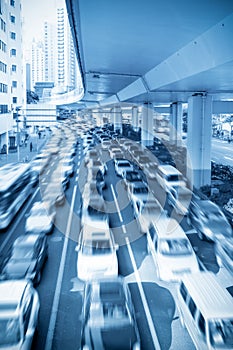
15, 187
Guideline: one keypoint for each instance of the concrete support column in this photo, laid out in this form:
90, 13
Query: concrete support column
199, 139
117, 119
135, 118
176, 116
147, 135
111, 116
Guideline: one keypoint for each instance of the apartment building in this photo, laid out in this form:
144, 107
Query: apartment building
11, 75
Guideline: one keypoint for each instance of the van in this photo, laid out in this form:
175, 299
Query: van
206, 309
169, 177
170, 248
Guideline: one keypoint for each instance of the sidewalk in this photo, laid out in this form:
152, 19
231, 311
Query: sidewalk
24, 153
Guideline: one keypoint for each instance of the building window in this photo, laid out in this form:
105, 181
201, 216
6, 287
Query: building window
13, 52
3, 67
3, 25
3, 88
2, 46
13, 35
12, 19
13, 67
14, 99
14, 84
3, 109
12, 3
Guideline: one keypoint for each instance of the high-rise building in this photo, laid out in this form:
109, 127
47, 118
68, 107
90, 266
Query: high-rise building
49, 51
11, 76
37, 62
66, 59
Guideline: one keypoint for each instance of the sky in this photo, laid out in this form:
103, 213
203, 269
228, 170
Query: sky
34, 13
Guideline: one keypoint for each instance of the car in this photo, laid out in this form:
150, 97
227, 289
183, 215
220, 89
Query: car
40, 218
208, 220
131, 176
108, 316
147, 213
171, 250
94, 212
96, 253
121, 166
179, 198
138, 193
224, 252
19, 310
168, 176
151, 170
26, 258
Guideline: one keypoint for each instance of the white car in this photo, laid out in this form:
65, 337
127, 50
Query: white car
40, 219
96, 253
171, 250
147, 213
121, 166
19, 309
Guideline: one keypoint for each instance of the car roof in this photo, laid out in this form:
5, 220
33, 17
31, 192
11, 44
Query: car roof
169, 169
11, 291
138, 184
169, 228
28, 239
213, 300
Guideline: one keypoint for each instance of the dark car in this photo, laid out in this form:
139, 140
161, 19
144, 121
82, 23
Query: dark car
131, 176
27, 258
208, 220
108, 316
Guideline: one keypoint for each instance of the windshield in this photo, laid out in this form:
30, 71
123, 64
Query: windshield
173, 178
140, 190
221, 333
97, 247
24, 252
175, 247
9, 332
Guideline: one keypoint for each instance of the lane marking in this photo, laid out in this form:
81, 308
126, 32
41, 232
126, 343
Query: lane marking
54, 311
9, 234
139, 283
78, 164
143, 298
117, 205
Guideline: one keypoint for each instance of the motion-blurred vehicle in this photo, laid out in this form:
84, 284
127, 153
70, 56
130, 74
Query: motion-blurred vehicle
208, 220
131, 176
138, 193
224, 252
26, 259
147, 213
40, 218
171, 250
206, 310
15, 187
121, 166
19, 309
94, 212
96, 253
179, 198
168, 177
108, 316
